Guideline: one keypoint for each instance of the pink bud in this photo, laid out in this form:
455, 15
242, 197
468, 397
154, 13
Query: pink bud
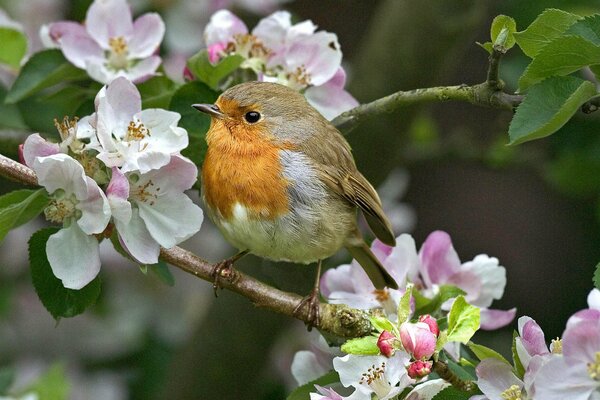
418, 340
187, 74
214, 52
386, 343
21, 157
419, 369
429, 320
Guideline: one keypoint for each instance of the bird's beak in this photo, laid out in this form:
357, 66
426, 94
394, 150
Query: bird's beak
210, 109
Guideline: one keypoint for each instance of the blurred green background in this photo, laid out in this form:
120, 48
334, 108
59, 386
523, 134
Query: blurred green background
535, 207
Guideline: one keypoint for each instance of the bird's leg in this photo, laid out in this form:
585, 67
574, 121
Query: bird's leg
312, 302
224, 269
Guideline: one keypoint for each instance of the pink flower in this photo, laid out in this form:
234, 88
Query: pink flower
419, 369
387, 343
418, 340
111, 44
431, 322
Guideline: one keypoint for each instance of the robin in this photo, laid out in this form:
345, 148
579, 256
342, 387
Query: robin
280, 182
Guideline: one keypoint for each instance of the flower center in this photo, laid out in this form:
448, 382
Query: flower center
136, 132
556, 346
146, 193
381, 295
67, 129
61, 207
249, 46
118, 53
374, 378
512, 393
594, 368
299, 79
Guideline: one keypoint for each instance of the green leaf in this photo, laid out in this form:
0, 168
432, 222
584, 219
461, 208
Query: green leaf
382, 324
42, 70
303, 392
428, 306
195, 122
463, 321
483, 352
14, 46
404, 304
487, 46
19, 207
452, 393
548, 106
366, 345
7, 377
502, 32
10, 116
596, 278
157, 92
162, 271
551, 24
588, 28
561, 56
213, 74
53, 385
518, 365
58, 300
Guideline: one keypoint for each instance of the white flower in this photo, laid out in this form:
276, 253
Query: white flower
80, 205
150, 210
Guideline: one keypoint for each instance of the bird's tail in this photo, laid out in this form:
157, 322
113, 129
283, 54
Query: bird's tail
377, 274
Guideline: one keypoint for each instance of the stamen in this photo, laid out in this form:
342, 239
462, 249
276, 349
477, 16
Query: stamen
61, 208
146, 193
382, 295
375, 379
119, 51
512, 393
556, 346
136, 132
594, 368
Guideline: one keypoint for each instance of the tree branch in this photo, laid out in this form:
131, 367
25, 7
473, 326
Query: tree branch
336, 319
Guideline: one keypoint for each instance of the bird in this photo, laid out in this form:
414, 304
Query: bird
280, 182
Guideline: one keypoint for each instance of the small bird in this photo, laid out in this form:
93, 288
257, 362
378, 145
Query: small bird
280, 182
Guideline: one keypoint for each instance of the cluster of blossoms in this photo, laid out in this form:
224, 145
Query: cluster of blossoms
110, 44
135, 155
293, 55
409, 341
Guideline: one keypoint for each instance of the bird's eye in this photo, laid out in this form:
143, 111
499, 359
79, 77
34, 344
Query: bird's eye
252, 116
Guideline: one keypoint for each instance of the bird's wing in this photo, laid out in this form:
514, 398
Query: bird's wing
332, 156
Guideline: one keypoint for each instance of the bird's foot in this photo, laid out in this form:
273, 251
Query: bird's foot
313, 310
224, 270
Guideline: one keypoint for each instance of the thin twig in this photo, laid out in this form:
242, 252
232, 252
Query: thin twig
442, 369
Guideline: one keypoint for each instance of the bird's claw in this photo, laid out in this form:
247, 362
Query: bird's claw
313, 304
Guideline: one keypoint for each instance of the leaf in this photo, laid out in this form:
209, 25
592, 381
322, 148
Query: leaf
547, 26
548, 106
195, 122
53, 385
14, 46
366, 345
487, 46
463, 321
19, 207
561, 56
382, 324
157, 92
452, 393
588, 28
518, 365
58, 300
7, 377
211, 74
428, 306
483, 352
303, 392
162, 271
596, 278
404, 304
42, 70
10, 116
502, 32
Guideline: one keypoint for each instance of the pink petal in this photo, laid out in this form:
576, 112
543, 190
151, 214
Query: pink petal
81, 50
37, 146
118, 185
438, 258
59, 29
319, 54
222, 27
532, 337
124, 99
148, 32
108, 19
330, 100
495, 319
144, 69
581, 342
95, 210
495, 377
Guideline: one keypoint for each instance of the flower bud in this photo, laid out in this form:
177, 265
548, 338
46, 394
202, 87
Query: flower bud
386, 343
431, 322
21, 157
419, 369
418, 340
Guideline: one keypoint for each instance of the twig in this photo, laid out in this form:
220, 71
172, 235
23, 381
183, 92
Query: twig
336, 319
442, 369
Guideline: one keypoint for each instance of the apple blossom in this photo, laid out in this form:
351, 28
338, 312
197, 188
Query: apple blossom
431, 322
497, 381
325, 394
80, 205
418, 340
110, 44
387, 343
150, 210
419, 369
427, 390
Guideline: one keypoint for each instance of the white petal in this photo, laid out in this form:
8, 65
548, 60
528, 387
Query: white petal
148, 32
558, 381
37, 146
95, 210
145, 161
108, 19
178, 175
329, 100
305, 367
124, 100
171, 219
319, 54
427, 390
222, 27
73, 256
272, 32
403, 262
136, 239
492, 277
495, 377
593, 299
165, 135
97, 70
81, 49
60, 171
143, 69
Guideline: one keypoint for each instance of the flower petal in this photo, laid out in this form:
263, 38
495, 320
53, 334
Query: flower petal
330, 100
143, 69
95, 210
491, 319
438, 258
532, 337
73, 256
306, 367
492, 279
557, 380
148, 32
178, 175
593, 299
81, 50
427, 390
60, 171
403, 262
136, 239
118, 193
108, 19
37, 146
222, 27
581, 342
319, 54
495, 377
272, 32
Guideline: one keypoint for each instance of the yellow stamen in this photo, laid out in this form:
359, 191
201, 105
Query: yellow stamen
119, 51
61, 208
594, 368
512, 393
556, 346
136, 132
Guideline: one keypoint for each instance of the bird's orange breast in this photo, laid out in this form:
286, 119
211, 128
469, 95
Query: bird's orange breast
243, 167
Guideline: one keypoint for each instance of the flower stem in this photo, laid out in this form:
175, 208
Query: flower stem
442, 369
